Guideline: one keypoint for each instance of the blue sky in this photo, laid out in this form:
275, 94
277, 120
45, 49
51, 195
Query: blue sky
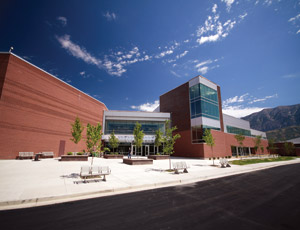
128, 53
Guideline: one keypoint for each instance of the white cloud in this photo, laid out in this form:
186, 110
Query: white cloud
148, 107
238, 111
263, 99
295, 75
228, 3
214, 30
113, 64
294, 18
164, 53
186, 41
203, 63
77, 51
110, 16
175, 74
203, 70
211, 38
298, 32
242, 16
63, 20
182, 54
82, 73
236, 106
268, 2
214, 9
235, 99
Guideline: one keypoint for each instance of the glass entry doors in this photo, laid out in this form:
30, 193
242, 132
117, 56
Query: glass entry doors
143, 151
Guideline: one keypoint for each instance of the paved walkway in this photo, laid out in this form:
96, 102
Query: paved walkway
26, 183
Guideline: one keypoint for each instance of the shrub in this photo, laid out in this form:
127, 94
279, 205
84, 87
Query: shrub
69, 153
214, 158
79, 153
229, 157
218, 158
209, 158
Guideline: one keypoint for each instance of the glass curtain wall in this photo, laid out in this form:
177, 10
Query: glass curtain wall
127, 127
235, 130
204, 102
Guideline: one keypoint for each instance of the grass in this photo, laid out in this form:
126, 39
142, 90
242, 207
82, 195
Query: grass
255, 161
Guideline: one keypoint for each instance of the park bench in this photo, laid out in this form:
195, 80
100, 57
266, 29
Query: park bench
87, 172
25, 155
180, 166
224, 163
47, 154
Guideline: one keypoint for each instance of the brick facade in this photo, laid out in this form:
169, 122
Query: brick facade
37, 110
177, 103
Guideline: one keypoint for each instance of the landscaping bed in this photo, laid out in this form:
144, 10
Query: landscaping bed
159, 157
265, 160
112, 156
137, 161
74, 158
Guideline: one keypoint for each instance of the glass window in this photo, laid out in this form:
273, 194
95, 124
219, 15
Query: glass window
204, 102
127, 127
235, 130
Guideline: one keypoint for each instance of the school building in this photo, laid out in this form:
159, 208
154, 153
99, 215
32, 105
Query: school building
37, 108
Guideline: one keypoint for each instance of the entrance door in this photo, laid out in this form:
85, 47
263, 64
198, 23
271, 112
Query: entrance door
61, 149
147, 150
133, 147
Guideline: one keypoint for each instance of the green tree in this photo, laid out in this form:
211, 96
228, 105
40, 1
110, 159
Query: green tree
271, 146
169, 140
93, 138
138, 135
210, 141
113, 141
240, 138
76, 130
158, 139
289, 148
257, 143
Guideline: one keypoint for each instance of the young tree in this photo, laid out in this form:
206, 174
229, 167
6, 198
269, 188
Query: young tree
271, 146
169, 140
93, 138
210, 141
289, 148
257, 143
76, 131
113, 141
262, 149
240, 138
138, 135
158, 139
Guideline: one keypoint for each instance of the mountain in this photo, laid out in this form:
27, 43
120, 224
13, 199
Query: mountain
276, 118
284, 134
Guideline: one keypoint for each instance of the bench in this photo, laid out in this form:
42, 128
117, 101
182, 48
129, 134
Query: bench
94, 171
180, 166
47, 154
25, 155
224, 163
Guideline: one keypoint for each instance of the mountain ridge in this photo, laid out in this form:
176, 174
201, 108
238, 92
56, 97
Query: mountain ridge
275, 118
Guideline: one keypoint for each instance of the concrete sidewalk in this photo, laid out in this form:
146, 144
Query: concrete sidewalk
26, 183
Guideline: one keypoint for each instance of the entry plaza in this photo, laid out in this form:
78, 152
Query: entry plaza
27, 183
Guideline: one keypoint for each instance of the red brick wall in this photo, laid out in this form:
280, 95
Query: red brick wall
177, 103
3, 67
220, 108
37, 110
